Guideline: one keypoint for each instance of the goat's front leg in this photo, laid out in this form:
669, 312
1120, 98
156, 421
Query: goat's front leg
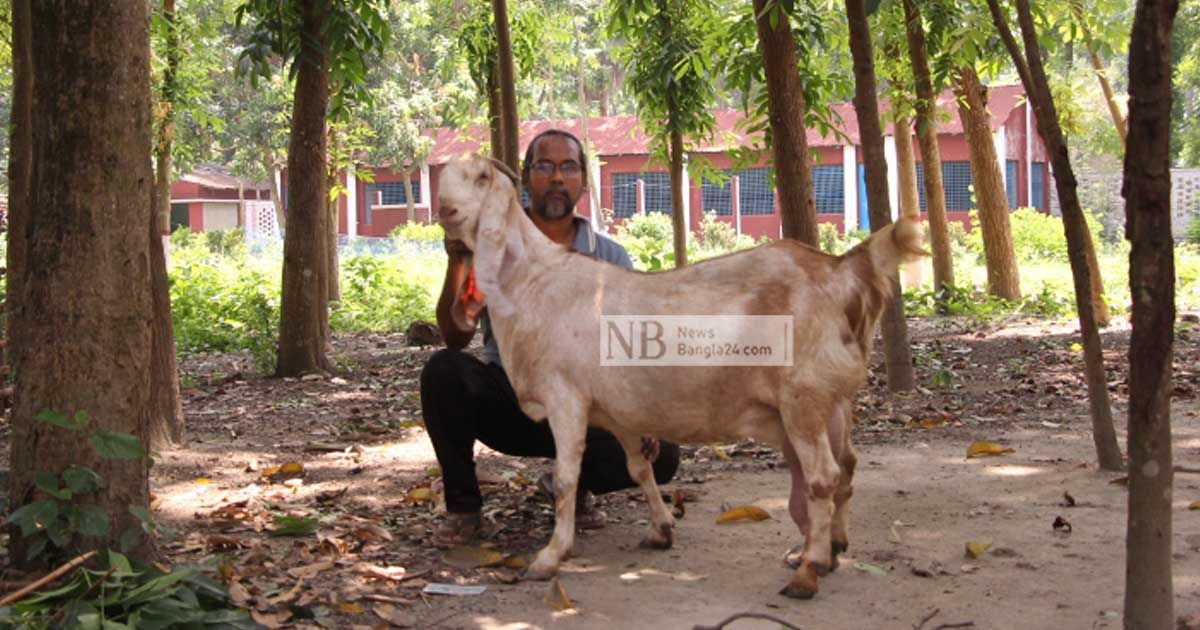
569, 426
640, 470
809, 437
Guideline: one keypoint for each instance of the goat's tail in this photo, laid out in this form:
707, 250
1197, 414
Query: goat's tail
897, 243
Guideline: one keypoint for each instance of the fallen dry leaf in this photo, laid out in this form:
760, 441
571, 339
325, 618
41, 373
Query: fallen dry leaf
743, 513
271, 620
288, 596
289, 470
1062, 524
556, 597
204, 481
469, 557
720, 453
371, 533
238, 594
310, 570
867, 567
392, 615
983, 449
974, 550
351, 608
395, 574
515, 562
420, 495
1194, 505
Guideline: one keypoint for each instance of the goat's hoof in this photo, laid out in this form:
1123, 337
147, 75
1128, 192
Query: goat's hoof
803, 584
662, 537
540, 571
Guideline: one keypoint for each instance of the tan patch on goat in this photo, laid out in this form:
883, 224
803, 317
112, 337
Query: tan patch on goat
866, 298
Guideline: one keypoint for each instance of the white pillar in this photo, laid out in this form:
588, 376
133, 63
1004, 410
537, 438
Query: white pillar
351, 202
735, 200
594, 194
426, 191
893, 175
850, 187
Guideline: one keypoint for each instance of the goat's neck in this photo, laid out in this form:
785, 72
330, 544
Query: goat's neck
539, 253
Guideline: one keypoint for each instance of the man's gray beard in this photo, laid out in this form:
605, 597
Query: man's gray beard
551, 210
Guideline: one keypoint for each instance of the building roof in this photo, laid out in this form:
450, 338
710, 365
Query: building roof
621, 135
219, 177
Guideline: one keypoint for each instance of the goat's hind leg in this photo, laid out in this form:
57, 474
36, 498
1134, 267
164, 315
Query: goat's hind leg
848, 460
809, 437
662, 523
569, 425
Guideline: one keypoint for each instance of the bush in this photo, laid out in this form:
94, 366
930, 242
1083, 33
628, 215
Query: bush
378, 296
429, 232
1036, 236
1192, 233
648, 239
717, 237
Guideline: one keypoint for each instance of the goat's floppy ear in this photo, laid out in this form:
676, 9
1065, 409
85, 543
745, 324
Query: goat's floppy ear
495, 242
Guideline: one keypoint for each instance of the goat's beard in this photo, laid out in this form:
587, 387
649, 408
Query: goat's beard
554, 208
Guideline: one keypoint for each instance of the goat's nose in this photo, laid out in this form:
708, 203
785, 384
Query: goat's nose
446, 213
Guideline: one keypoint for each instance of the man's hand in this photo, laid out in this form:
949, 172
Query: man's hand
649, 448
456, 249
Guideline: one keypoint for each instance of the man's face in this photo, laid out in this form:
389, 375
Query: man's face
555, 177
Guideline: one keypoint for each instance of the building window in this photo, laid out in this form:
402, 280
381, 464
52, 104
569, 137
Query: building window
755, 195
656, 188
829, 189
1038, 182
716, 197
393, 193
956, 185
1010, 183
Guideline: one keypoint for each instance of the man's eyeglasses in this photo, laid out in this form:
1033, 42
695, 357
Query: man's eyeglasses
545, 168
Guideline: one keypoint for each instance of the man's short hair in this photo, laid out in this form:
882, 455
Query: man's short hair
525, 166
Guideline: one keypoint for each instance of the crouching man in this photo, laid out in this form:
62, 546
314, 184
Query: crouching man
464, 399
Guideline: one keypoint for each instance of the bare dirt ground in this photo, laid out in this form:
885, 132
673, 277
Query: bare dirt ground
369, 482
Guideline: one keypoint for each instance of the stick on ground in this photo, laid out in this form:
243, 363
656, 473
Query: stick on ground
46, 579
747, 615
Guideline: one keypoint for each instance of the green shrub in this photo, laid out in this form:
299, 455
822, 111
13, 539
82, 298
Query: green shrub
1192, 234
1036, 236
378, 296
648, 239
717, 237
431, 232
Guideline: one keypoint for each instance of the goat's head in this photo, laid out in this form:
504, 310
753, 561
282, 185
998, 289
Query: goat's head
477, 204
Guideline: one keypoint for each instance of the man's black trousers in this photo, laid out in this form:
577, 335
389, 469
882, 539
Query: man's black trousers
464, 400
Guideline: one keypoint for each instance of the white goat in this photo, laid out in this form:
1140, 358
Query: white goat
546, 305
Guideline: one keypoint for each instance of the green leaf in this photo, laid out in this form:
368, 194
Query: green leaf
36, 547
34, 516
130, 539
119, 563
60, 420
114, 445
293, 526
93, 520
81, 480
144, 516
48, 482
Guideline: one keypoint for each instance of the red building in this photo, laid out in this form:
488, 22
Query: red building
207, 199
629, 183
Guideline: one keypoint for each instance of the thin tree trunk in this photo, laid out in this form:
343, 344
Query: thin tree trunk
678, 224
167, 425
1149, 593
931, 158
331, 225
584, 124
1110, 99
786, 107
897, 353
990, 195
1033, 77
910, 199
86, 328
276, 199
508, 86
241, 209
408, 196
495, 115
305, 295
166, 127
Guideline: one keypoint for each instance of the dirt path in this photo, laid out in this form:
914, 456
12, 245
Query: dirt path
366, 502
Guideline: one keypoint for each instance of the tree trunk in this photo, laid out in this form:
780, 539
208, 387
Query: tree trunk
508, 86
276, 199
897, 353
1149, 594
408, 196
678, 223
20, 161
789, 142
495, 115
305, 296
910, 199
241, 209
1033, 77
931, 156
166, 128
990, 195
584, 124
1110, 99
166, 409
333, 288
88, 312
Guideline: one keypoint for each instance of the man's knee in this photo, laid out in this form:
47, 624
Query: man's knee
667, 463
444, 369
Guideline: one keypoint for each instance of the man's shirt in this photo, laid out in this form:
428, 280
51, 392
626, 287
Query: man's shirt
588, 243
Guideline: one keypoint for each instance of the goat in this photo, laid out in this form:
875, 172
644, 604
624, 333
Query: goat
546, 306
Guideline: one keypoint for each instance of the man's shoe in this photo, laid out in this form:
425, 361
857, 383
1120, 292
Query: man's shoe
457, 529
